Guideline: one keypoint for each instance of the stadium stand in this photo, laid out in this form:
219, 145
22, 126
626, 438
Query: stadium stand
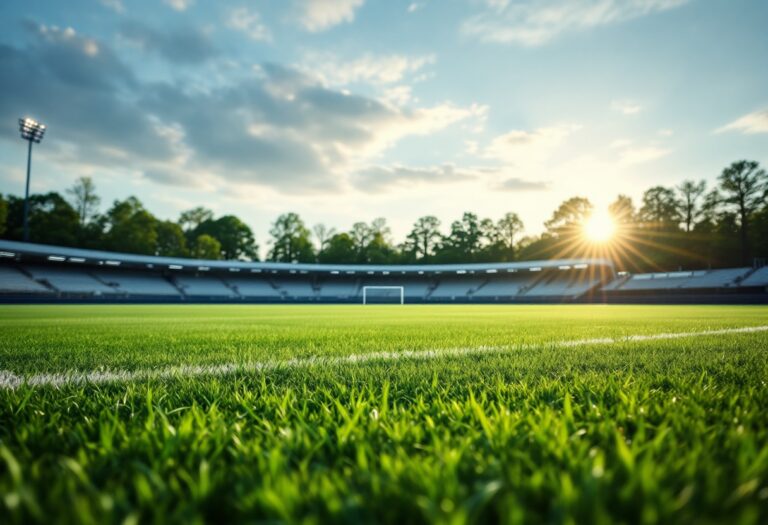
295, 288
203, 286
455, 287
341, 289
253, 288
690, 280
34, 273
72, 280
15, 281
134, 283
758, 277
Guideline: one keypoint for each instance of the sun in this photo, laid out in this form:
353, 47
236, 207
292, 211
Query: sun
599, 227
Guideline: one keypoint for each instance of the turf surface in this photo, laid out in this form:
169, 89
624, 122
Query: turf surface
646, 431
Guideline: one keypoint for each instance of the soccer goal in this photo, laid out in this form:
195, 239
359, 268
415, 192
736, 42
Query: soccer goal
382, 293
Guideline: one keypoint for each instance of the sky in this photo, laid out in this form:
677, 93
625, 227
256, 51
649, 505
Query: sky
348, 110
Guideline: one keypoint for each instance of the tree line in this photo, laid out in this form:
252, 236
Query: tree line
686, 226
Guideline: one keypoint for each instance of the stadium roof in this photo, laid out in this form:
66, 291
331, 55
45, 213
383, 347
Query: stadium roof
27, 251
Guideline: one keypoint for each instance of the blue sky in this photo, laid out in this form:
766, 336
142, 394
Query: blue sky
346, 110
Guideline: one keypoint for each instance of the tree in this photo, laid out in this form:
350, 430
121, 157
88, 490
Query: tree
85, 200
361, 235
379, 249
3, 215
191, 219
660, 209
622, 210
206, 247
508, 228
131, 228
690, 193
569, 217
466, 235
424, 237
323, 235
236, 238
340, 250
745, 186
52, 220
290, 240
171, 241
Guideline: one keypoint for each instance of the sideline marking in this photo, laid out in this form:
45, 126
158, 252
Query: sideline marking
10, 381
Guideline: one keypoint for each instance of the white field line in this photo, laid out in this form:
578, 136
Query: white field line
9, 380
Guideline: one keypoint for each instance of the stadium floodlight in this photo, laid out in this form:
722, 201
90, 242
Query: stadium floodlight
31, 131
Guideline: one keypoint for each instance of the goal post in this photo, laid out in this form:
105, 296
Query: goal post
387, 289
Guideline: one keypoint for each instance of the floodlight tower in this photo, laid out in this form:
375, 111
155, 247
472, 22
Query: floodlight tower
31, 131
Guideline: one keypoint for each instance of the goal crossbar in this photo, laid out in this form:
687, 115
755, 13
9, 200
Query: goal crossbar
400, 288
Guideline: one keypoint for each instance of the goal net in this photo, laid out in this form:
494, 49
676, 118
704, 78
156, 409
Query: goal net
383, 295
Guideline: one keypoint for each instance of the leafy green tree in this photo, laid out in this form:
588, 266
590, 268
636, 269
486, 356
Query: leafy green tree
464, 240
509, 227
361, 235
206, 247
51, 219
690, 193
131, 228
84, 199
660, 209
424, 237
236, 238
745, 188
622, 210
568, 219
3, 215
189, 220
171, 241
323, 235
379, 249
290, 240
341, 249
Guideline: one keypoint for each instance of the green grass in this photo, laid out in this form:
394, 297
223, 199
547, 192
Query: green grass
637, 432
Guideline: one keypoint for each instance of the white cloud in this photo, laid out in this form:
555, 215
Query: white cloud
398, 95
318, 15
519, 147
116, 5
666, 132
370, 69
749, 124
620, 143
537, 22
626, 107
640, 155
382, 177
415, 6
249, 22
179, 5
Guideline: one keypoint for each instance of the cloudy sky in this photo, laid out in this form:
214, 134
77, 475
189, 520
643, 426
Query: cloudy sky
345, 110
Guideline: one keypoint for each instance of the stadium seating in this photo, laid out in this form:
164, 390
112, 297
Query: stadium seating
203, 286
253, 287
339, 289
757, 278
70, 280
683, 280
572, 286
295, 288
500, 287
449, 287
138, 283
15, 281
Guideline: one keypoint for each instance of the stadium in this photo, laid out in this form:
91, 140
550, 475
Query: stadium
397, 262
39, 273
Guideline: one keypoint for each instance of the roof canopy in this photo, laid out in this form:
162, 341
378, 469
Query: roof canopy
29, 251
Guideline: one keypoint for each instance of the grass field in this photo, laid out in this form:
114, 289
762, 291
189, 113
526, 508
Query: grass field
444, 414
